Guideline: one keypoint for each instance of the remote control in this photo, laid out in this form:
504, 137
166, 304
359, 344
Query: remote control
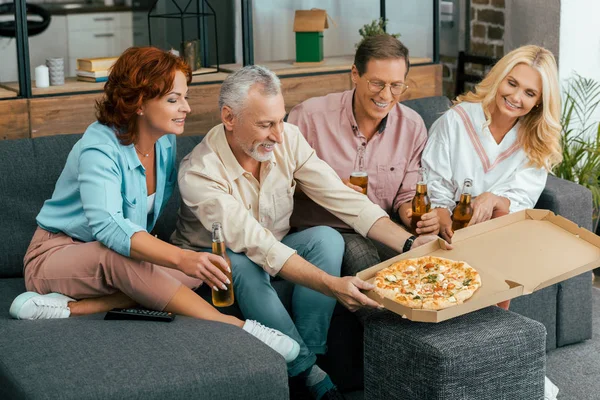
139, 314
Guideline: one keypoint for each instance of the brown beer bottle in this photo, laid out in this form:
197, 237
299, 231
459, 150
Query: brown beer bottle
359, 176
421, 204
221, 297
464, 210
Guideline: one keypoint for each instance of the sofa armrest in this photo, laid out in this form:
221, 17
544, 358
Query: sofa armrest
567, 199
574, 296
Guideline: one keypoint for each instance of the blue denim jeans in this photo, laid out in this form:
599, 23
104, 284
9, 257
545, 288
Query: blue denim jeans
311, 310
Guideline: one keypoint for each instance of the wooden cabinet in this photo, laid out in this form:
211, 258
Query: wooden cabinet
140, 28
98, 35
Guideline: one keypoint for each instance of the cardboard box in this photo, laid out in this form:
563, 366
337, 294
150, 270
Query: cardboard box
309, 26
515, 255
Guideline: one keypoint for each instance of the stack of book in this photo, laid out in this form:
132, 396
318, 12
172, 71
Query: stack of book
94, 69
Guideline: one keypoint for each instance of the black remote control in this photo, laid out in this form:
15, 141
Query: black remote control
139, 314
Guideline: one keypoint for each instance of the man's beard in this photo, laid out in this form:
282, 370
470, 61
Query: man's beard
254, 153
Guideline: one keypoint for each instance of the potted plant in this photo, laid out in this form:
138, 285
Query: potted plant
376, 27
581, 137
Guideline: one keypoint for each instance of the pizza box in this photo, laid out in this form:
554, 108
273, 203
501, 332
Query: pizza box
515, 255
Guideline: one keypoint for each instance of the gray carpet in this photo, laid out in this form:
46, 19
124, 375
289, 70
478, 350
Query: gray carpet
575, 369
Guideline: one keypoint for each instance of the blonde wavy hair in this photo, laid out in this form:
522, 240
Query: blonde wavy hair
540, 131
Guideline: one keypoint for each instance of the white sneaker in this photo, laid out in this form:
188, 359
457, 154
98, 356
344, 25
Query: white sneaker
550, 390
31, 305
276, 340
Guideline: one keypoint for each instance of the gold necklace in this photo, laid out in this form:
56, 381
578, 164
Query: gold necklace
140, 152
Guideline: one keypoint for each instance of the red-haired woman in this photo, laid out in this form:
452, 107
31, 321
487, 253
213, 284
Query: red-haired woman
92, 251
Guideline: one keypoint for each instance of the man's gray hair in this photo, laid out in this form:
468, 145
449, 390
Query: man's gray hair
235, 88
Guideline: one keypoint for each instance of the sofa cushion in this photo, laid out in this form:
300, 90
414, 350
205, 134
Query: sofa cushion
574, 310
87, 357
540, 306
166, 222
30, 169
429, 108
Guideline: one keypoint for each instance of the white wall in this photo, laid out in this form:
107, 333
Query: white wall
580, 40
414, 21
273, 21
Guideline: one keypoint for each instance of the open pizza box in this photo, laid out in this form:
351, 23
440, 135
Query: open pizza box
515, 255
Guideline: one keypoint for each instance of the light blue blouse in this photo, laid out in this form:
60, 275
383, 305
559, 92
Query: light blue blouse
101, 193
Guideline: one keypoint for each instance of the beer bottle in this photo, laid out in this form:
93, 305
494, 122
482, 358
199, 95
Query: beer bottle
359, 176
464, 210
421, 204
221, 297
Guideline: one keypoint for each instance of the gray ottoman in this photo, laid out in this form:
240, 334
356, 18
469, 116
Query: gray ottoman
489, 354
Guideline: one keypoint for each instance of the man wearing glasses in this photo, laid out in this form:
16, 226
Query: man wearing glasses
368, 119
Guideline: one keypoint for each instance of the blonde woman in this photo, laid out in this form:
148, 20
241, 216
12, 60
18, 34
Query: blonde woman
504, 135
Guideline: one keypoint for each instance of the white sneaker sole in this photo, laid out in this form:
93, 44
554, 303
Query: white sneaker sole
17, 304
291, 356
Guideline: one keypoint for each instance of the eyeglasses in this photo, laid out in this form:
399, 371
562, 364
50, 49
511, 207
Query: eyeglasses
396, 88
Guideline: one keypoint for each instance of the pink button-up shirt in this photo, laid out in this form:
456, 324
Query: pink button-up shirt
393, 155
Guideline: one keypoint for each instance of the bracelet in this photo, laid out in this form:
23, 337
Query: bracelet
408, 244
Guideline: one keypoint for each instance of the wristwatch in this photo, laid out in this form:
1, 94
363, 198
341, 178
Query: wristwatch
408, 244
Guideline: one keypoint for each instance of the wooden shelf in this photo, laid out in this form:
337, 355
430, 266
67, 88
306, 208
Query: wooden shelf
203, 71
329, 64
72, 112
72, 85
208, 77
205, 75
8, 93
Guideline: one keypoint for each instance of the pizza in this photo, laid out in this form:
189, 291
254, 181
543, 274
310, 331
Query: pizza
430, 283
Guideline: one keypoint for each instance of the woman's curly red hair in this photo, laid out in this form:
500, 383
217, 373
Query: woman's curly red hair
139, 75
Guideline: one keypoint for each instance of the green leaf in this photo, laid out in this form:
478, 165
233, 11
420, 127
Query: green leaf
376, 27
580, 139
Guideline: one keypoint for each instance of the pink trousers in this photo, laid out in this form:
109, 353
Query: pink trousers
55, 262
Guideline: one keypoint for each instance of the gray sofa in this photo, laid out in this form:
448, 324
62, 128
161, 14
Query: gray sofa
87, 357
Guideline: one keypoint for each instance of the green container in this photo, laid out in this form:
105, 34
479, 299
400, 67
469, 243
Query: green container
309, 46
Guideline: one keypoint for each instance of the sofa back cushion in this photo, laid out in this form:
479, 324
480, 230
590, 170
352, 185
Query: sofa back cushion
166, 222
29, 169
429, 108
